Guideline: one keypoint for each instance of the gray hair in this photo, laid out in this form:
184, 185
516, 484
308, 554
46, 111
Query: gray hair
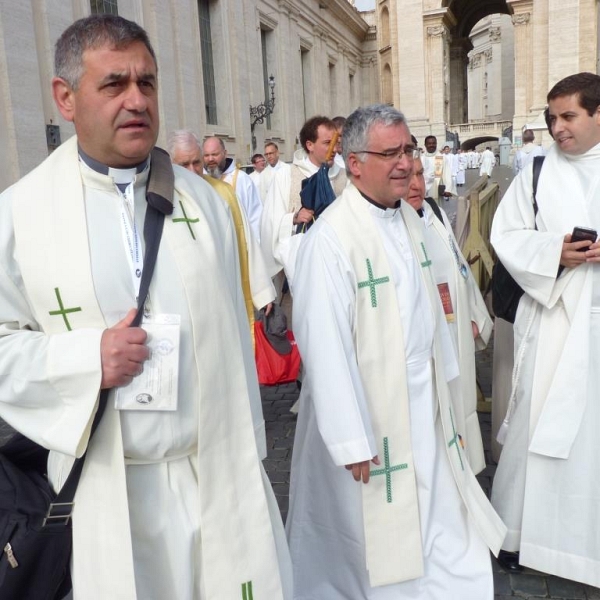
91, 33
182, 138
359, 124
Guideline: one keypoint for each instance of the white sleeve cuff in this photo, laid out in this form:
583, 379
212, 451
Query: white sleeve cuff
75, 372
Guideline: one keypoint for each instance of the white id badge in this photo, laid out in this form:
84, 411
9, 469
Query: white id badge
156, 387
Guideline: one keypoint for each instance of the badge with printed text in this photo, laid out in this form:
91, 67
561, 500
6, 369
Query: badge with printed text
446, 299
156, 387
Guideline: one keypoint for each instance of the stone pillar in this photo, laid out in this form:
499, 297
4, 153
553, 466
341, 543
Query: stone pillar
436, 61
458, 80
22, 120
476, 85
540, 56
523, 60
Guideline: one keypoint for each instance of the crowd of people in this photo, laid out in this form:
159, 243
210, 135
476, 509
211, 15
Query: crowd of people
174, 501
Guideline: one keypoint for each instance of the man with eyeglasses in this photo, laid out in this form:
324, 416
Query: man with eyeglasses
273, 166
383, 502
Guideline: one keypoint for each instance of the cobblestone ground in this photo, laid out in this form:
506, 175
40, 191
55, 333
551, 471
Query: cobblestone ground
277, 402
280, 435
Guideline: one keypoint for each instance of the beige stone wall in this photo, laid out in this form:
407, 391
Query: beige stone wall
544, 41
338, 61
491, 70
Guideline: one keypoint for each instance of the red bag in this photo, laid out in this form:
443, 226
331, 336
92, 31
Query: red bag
274, 368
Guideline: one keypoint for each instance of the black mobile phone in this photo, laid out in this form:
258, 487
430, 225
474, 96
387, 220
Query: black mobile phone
584, 233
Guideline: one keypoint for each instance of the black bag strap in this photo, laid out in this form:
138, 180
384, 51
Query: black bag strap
435, 207
538, 161
159, 196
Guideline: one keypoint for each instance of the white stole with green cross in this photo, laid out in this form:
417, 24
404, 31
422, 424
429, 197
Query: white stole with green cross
239, 558
390, 504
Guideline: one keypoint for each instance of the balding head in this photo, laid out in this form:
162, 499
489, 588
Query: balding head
528, 136
215, 156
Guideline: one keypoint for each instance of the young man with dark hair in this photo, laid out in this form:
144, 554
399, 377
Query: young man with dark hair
283, 210
259, 163
546, 484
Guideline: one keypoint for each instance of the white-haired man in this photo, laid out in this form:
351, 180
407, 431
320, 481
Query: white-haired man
185, 150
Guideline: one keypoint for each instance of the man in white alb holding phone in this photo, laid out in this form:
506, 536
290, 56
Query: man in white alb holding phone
546, 487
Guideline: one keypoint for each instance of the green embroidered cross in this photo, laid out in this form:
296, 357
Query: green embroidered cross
387, 469
62, 310
455, 440
247, 591
427, 262
185, 219
371, 283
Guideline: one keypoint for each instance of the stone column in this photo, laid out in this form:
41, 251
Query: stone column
22, 109
476, 88
523, 61
458, 80
436, 61
540, 56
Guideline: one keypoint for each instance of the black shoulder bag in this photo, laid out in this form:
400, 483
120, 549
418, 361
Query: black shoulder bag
506, 292
35, 522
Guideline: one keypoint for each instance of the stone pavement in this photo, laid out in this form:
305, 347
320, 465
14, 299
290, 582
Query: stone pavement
280, 424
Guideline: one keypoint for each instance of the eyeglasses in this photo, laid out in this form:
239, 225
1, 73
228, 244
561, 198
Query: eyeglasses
411, 152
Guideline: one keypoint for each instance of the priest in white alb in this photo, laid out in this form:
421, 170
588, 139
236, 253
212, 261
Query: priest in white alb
274, 164
546, 487
488, 160
173, 501
433, 165
185, 150
283, 211
468, 320
217, 164
383, 502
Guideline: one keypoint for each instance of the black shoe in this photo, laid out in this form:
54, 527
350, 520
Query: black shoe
509, 561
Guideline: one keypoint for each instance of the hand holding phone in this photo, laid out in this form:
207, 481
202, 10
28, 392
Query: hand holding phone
583, 233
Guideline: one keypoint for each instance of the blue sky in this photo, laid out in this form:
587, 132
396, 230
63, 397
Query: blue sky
365, 4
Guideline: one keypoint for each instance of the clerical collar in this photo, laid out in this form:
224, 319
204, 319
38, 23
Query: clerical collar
121, 177
381, 206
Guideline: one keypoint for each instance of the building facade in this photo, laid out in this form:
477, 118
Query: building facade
215, 58
430, 68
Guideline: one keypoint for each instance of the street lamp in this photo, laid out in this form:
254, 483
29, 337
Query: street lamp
259, 113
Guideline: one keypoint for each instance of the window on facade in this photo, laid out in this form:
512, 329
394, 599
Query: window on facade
208, 67
104, 7
351, 90
385, 27
332, 89
386, 86
265, 69
305, 63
